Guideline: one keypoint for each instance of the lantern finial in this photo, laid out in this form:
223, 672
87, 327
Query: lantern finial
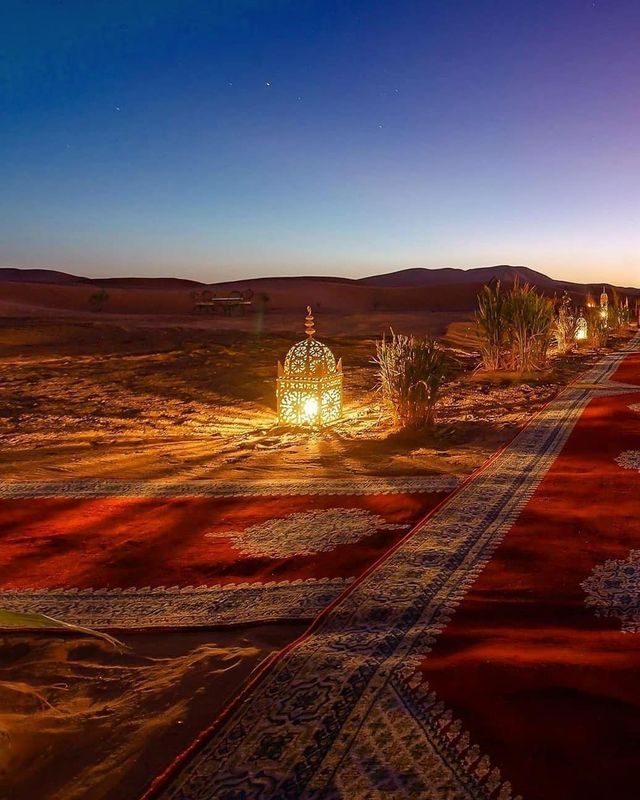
308, 323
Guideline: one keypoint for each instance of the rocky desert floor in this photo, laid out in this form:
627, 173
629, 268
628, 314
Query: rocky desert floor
97, 396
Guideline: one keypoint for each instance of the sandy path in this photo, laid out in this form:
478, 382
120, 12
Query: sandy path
82, 721
98, 399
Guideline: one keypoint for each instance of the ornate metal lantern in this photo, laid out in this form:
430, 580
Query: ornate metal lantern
581, 330
309, 386
604, 304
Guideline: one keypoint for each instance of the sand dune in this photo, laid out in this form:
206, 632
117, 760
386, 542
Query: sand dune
274, 295
420, 276
29, 292
21, 298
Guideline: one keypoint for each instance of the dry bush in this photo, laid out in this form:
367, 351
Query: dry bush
492, 321
411, 371
515, 328
530, 324
619, 316
597, 326
98, 300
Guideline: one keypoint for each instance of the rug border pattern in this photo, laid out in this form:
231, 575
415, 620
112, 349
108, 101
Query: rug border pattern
179, 607
105, 488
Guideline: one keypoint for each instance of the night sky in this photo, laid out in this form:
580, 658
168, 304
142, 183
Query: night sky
216, 140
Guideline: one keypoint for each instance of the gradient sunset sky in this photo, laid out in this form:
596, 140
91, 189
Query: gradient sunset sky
215, 140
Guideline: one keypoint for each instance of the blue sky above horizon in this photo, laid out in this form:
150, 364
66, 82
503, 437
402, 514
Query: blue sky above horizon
238, 138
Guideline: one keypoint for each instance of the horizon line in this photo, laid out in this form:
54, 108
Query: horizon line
307, 276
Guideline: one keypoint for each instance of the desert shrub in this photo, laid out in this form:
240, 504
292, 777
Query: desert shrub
515, 327
624, 315
564, 325
618, 316
98, 300
530, 324
597, 326
613, 311
492, 321
411, 371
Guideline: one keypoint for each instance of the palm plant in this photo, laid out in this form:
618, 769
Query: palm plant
411, 371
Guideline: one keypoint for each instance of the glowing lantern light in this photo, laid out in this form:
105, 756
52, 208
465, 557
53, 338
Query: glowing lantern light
581, 332
604, 304
309, 387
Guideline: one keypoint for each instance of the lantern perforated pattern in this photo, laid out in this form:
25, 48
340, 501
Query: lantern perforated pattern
310, 358
310, 383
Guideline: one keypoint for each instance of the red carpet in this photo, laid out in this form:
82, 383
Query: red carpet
629, 370
549, 689
299, 543
493, 654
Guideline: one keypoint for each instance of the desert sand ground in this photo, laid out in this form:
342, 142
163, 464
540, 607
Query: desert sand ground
192, 398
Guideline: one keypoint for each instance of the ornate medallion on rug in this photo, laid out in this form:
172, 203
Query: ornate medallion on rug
613, 590
308, 532
629, 459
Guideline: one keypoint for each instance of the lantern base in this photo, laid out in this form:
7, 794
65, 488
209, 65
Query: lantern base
307, 402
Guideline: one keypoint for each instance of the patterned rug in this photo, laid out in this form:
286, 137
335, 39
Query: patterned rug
491, 655
629, 371
140, 555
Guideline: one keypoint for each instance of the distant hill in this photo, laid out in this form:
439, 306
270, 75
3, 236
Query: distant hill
443, 278
52, 276
446, 289
147, 283
450, 276
403, 278
422, 276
